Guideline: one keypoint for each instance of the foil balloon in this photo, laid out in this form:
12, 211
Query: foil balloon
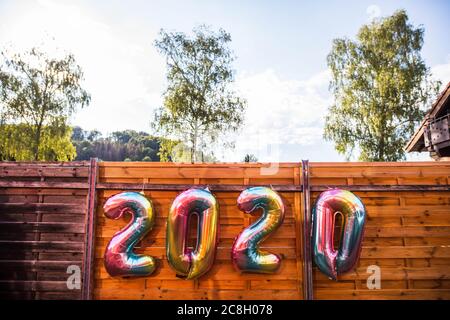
245, 253
330, 203
119, 259
192, 263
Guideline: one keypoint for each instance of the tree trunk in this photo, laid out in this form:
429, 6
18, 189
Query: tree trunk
194, 145
382, 138
37, 141
381, 149
37, 138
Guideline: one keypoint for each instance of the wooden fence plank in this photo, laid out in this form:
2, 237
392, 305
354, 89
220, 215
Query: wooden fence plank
7, 226
14, 285
41, 246
40, 171
89, 244
36, 265
43, 184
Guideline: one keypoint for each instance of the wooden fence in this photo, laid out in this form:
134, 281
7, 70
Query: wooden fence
407, 234
42, 228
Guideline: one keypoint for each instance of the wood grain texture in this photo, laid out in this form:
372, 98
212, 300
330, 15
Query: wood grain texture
407, 235
407, 232
222, 281
42, 228
43, 216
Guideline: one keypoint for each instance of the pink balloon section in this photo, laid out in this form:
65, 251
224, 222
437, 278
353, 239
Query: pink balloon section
246, 256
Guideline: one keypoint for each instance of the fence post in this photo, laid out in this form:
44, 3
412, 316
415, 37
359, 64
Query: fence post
307, 253
89, 244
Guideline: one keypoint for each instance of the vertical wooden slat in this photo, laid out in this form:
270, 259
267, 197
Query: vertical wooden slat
89, 246
37, 237
357, 284
247, 223
298, 231
307, 253
409, 283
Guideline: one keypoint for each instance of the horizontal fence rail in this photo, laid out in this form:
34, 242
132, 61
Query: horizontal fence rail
218, 188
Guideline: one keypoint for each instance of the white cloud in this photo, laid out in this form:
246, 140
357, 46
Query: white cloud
442, 72
373, 11
418, 156
281, 112
125, 76
123, 71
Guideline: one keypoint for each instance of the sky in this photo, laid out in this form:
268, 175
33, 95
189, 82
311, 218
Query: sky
280, 49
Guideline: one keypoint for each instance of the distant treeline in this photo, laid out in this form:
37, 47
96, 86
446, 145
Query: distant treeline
128, 145
74, 143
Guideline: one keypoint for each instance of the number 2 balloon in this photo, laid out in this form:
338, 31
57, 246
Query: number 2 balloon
119, 259
245, 253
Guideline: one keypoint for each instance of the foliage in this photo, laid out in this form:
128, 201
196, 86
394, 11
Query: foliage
177, 151
38, 94
250, 158
381, 86
199, 104
127, 145
16, 139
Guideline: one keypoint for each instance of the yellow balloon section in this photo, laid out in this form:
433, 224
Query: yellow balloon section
188, 263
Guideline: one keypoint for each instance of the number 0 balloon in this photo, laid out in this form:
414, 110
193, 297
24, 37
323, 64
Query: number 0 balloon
330, 203
190, 263
120, 260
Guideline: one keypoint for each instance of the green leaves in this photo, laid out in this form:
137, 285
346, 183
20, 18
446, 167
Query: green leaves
37, 96
199, 103
381, 87
16, 141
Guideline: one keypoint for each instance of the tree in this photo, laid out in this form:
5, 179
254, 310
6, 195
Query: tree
250, 158
38, 94
381, 86
199, 104
16, 139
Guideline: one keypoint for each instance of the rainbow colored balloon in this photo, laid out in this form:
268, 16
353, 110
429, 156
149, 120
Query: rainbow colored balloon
189, 263
119, 258
245, 253
330, 203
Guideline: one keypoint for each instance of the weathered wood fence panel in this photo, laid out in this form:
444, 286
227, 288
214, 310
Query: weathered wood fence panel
42, 228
